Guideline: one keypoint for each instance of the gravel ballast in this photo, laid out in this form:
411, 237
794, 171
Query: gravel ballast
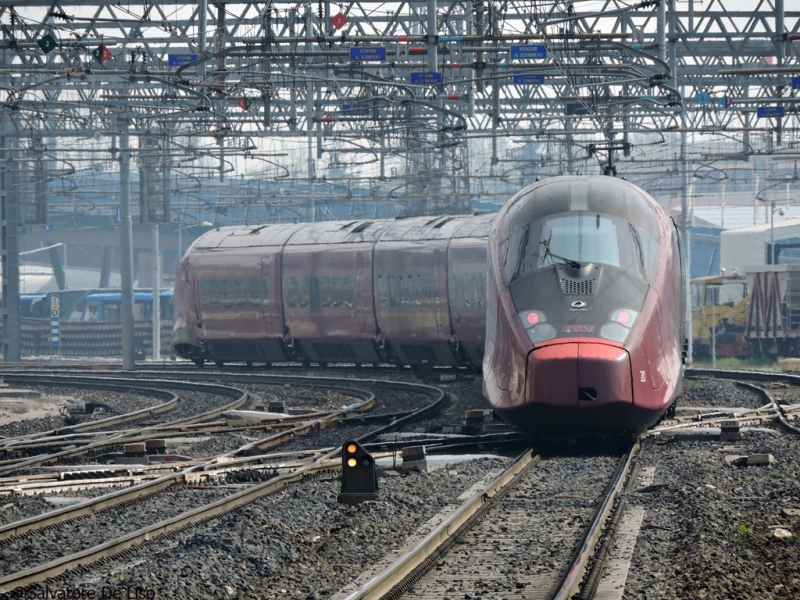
709, 531
717, 393
21, 553
298, 543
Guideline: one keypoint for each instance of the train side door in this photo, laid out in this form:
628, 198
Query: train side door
269, 303
364, 306
197, 293
440, 307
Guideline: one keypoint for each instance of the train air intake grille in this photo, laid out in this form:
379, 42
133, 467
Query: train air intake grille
580, 287
238, 351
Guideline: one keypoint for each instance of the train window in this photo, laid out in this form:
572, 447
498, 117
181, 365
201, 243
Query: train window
241, 293
408, 290
646, 251
166, 308
91, 311
581, 237
697, 295
725, 294
142, 310
331, 291
111, 312
468, 290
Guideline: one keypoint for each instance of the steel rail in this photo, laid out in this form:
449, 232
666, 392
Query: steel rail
306, 380
570, 583
742, 377
395, 579
145, 535
115, 440
780, 413
89, 506
115, 420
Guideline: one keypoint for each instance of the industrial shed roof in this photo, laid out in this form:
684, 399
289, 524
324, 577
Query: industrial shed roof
748, 247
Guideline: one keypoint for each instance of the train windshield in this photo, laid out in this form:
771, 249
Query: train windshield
576, 239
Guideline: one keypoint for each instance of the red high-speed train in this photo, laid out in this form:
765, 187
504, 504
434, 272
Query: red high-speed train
409, 291
583, 319
585, 308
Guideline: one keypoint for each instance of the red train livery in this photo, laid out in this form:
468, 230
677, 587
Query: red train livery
585, 308
410, 291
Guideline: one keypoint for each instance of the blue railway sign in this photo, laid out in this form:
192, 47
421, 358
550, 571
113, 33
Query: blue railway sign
796, 83
355, 110
528, 79
178, 60
426, 78
533, 51
769, 112
368, 53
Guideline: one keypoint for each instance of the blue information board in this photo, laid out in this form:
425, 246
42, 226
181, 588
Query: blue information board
528, 79
368, 53
426, 78
357, 110
178, 60
796, 83
535, 51
767, 112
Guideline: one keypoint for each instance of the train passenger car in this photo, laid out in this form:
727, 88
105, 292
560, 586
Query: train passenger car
585, 315
466, 282
228, 303
327, 291
106, 307
409, 291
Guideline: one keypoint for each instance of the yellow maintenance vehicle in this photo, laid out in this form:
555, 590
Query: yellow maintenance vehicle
723, 299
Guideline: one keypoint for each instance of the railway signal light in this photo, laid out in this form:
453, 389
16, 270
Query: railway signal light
359, 476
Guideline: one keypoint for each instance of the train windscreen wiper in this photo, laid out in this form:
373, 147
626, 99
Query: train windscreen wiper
568, 261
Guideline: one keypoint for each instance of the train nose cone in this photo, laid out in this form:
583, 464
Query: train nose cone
583, 375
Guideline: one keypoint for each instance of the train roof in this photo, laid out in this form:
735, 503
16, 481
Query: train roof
340, 232
245, 237
476, 226
348, 232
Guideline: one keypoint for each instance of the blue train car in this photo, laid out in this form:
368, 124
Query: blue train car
107, 307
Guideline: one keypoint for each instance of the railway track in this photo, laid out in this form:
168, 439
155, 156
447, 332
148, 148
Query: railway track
515, 535
266, 472
103, 440
278, 470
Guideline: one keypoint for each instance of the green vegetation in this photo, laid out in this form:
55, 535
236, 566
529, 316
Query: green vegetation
741, 530
763, 363
770, 476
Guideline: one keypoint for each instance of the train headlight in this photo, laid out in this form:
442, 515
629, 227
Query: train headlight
536, 326
619, 325
625, 317
531, 318
541, 333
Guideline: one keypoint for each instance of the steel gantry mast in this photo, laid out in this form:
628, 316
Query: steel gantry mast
430, 105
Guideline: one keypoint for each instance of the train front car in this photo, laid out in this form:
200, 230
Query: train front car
585, 316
